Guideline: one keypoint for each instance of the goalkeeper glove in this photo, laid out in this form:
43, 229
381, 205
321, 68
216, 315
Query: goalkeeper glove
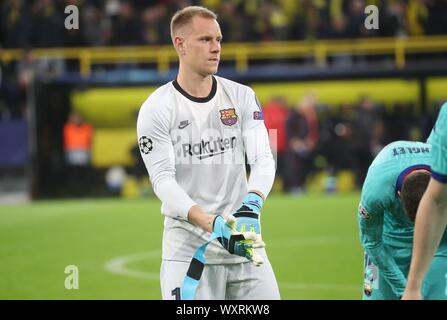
239, 243
248, 215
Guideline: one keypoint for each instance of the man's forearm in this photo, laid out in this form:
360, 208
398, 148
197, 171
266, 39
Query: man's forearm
429, 228
176, 201
199, 217
388, 268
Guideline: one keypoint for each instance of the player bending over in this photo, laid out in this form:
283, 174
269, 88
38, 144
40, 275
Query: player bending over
395, 183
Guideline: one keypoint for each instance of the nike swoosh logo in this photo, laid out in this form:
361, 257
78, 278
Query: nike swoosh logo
211, 155
183, 125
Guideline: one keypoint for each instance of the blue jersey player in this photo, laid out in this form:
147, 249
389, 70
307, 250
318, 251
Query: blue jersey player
394, 185
432, 213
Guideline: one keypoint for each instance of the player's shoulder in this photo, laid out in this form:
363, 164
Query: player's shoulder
157, 108
159, 99
378, 187
440, 127
383, 167
444, 108
393, 158
404, 144
443, 113
395, 149
236, 87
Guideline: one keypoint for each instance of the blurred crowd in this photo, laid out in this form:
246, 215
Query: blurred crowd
40, 23
311, 137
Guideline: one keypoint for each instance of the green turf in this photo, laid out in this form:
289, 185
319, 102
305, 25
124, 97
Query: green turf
312, 242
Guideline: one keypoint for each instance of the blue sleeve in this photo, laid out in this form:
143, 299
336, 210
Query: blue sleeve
438, 139
370, 221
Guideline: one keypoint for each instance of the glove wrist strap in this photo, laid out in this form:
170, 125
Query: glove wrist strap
253, 199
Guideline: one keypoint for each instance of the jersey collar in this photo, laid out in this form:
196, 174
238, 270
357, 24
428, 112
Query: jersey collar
195, 99
406, 172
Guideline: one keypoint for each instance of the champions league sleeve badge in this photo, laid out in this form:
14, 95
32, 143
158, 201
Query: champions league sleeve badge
363, 213
145, 144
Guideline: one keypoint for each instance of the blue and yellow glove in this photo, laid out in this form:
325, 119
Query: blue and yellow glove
248, 215
248, 219
239, 243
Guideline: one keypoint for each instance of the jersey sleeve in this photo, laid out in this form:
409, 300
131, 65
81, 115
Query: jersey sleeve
438, 140
158, 155
257, 146
370, 220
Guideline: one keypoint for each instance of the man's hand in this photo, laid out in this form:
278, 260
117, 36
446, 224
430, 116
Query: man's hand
239, 243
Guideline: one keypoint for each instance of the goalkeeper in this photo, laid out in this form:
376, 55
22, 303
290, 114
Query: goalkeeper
393, 188
194, 133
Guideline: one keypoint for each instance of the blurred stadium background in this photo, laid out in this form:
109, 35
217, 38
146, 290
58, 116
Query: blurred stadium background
335, 92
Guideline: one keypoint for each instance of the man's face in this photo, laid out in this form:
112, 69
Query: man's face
201, 46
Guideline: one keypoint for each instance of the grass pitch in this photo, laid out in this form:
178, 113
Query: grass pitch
312, 242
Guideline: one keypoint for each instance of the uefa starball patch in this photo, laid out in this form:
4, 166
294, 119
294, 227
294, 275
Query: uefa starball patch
145, 144
228, 116
363, 213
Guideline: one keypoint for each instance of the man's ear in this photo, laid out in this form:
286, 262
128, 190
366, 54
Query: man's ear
179, 45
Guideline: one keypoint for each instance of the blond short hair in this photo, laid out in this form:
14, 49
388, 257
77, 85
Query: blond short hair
185, 15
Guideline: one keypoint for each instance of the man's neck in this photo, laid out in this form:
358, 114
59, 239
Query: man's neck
194, 84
